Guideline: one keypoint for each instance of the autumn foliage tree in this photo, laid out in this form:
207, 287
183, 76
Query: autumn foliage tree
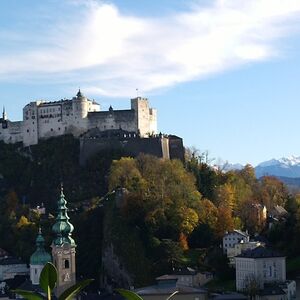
162, 194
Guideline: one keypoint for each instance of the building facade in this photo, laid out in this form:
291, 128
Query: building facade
238, 248
258, 267
234, 237
11, 267
76, 116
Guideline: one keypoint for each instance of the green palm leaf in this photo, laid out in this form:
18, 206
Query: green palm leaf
75, 289
28, 295
129, 295
48, 278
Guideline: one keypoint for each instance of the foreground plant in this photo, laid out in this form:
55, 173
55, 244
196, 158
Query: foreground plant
129, 295
48, 281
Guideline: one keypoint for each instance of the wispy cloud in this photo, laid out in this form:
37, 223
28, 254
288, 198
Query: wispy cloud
109, 53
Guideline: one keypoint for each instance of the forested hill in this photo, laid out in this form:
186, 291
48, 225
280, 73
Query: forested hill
32, 176
170, 215
35, 173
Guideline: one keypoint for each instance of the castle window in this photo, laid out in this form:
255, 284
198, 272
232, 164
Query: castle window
58, 128
35, 271
27, 130
67, 264
51, 129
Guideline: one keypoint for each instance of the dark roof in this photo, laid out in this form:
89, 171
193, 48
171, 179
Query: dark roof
238, 232
109, 133
167, 289
11, 261
232, 296
28, 286
15, 282
260, 252
272, 290
3, 253
104, 296
185, 271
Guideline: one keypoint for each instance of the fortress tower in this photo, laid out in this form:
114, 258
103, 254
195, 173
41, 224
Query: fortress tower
63, 248
145, 117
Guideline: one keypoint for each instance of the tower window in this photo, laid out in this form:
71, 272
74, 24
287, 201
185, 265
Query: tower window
67, 264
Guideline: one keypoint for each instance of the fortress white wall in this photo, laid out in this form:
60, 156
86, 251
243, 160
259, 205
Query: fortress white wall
42, 120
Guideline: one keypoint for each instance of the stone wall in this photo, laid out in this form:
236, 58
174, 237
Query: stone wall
158, 146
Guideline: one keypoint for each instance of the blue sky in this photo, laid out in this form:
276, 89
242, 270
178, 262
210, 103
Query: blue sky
223, 74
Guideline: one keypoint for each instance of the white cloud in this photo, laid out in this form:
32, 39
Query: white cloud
108, 53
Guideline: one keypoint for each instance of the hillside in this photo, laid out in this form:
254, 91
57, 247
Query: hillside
170, 214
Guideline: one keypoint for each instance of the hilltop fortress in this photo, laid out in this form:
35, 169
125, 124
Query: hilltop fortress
76, 116
133, 130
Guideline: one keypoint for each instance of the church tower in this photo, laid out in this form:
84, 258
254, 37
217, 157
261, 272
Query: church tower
63, 247
4, 114
38, 259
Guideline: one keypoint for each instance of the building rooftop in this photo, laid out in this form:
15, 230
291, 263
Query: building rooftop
260, 252
11, 261
278, 211
168, 289
230, 296
237, 231
3, 253
28, 286
272, 290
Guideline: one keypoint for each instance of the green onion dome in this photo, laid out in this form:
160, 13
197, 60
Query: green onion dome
40, 256
62, 228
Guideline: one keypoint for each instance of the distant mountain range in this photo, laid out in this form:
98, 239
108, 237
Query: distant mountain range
286, 169
283, 167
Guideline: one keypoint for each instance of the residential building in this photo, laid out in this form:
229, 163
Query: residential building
238, 248
233, 237
188, 277
166, 286
258, 267
12, 266
278, 212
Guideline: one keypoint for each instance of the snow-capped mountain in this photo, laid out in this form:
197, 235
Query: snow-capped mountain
229, 167
283, 167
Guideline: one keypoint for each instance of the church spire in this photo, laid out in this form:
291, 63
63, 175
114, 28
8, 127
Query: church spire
39, 258
63, 247
79, 94
4, 115
62, 228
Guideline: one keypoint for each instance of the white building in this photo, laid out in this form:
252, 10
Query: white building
76, 116
234, 237
188, 277
238, 248
11, 266
259, 266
